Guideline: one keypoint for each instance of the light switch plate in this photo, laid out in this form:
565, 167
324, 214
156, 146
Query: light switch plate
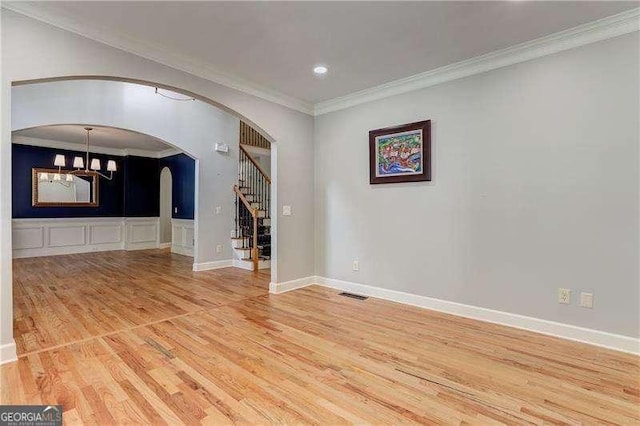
286, 210
218, 209
221, 147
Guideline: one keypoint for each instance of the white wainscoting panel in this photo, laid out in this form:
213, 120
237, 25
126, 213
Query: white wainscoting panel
68, 235
105, 234
53, 236
182, 234
142, 233
28, 238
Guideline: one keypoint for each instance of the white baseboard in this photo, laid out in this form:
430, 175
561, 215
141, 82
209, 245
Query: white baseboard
277, 288
185, 251
248, 265
217, 264
164, 245
8, 353
551, 328
21, 254
565, 331
140, 246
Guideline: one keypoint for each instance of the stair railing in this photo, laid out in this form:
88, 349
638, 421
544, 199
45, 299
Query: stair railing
251, 229
250, 136
253, 196
251, 175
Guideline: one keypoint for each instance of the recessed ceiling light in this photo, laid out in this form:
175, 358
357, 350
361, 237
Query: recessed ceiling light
320, 69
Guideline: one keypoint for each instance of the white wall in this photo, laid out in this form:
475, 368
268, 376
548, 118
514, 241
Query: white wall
33, 50
535, 187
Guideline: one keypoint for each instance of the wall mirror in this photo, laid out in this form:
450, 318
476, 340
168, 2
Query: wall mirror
61, 188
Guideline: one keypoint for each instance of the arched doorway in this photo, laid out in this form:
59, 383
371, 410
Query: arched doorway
57, 111
192, 127
166, 186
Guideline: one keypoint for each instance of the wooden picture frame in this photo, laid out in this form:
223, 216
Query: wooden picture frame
400, 153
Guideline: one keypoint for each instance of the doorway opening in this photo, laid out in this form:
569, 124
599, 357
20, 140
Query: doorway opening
166, 188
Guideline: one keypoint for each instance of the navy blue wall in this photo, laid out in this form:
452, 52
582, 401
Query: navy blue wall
133, 192
141, 187
25, 157
183, 174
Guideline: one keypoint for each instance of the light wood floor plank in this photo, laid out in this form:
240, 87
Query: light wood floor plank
139, 338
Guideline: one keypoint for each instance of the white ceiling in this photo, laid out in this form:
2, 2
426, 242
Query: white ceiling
276, 44
105, 137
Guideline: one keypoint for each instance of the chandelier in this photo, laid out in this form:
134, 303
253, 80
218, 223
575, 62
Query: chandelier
80, 165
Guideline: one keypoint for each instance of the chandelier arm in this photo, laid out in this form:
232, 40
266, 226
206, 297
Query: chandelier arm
86, 166
103, 175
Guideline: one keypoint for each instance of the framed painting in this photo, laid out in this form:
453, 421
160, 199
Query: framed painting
400, 153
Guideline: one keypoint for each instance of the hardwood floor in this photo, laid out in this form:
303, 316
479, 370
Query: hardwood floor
62, 299
136, 337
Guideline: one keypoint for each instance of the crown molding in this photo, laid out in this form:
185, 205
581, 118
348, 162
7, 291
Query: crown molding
602, 29
95, 149
156, 53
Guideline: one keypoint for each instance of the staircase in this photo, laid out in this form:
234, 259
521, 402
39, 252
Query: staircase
251, 238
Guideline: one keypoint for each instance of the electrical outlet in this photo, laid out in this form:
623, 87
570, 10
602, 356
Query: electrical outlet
356, 265
564, 296
586, 300
286, 210
218, 248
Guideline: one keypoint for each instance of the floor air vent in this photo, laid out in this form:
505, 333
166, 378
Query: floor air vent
354, 296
